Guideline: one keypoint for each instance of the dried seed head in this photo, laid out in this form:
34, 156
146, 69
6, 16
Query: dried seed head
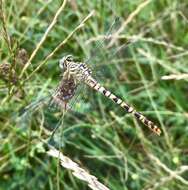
22, 56
7, 74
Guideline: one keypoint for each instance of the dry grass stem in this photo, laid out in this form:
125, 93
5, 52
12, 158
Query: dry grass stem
78, 172
164, 180
44, 37
5, 32
135, 38
30, 25
152, 58
173, 174
175, 77
62, 43
128, 20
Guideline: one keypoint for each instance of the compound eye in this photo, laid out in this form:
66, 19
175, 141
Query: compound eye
69, 58
62, 63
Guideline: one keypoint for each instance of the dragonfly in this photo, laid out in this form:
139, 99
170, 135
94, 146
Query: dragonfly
75, 73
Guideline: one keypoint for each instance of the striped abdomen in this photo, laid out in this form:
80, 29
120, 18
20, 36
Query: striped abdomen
95, 85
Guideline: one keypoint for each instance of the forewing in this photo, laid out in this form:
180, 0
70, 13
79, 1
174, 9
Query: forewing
64, 92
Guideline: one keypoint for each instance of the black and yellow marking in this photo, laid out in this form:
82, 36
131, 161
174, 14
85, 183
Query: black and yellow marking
80, 72
125, 106
115, 99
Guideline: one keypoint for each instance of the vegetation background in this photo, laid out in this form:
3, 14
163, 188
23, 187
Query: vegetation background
150, 72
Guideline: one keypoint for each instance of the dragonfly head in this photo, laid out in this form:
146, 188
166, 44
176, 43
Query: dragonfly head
65, 61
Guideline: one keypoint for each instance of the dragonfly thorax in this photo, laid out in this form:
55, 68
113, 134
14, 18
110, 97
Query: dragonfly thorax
79, 71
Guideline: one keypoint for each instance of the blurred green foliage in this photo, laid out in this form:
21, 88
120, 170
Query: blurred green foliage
97, 134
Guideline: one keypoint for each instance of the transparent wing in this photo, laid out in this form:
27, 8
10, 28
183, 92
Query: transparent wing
65, 92
65, 96
98, 47
99, 51
81, 106
49, 110
33, 106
